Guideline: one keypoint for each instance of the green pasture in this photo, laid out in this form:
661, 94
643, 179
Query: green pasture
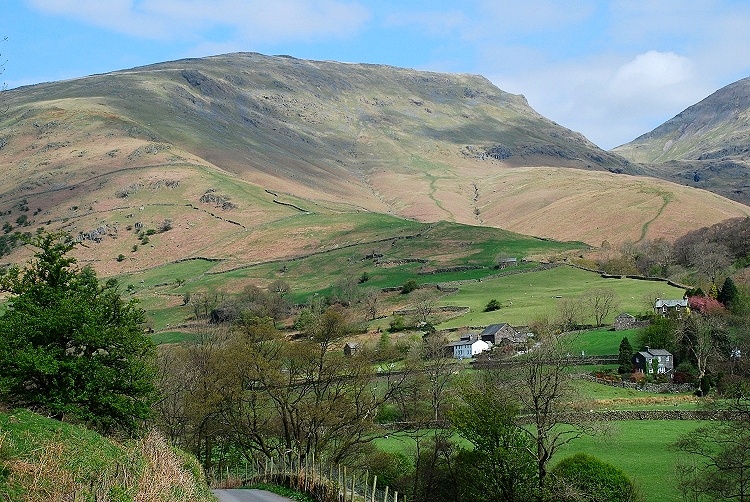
164, 337
600, 341
611, 397
638, 447
641, 449
340, 254
525, 297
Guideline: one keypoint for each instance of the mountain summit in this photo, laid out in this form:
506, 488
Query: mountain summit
706, 146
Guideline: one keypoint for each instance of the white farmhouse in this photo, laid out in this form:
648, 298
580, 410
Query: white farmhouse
467, 347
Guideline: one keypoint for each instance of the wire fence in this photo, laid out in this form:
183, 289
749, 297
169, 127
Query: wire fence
325, 482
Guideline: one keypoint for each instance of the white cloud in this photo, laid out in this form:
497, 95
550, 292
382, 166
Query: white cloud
249, 20
652, 72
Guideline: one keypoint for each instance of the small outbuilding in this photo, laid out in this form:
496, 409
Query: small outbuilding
350, 348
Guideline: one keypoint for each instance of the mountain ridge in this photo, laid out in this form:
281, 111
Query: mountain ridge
223, 143
707, 145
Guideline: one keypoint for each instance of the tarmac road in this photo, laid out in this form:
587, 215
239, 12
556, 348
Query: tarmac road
249, 496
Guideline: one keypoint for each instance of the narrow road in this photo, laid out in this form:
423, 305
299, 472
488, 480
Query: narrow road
249, 496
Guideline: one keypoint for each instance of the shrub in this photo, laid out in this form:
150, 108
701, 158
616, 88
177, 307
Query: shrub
396, 324
120, 257
492, 305
594, 480
409, 286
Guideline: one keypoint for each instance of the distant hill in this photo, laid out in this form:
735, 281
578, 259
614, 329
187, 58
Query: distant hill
234, 152
706, 146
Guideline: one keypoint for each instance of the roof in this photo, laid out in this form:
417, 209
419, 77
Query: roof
670, 303
458, 343
650, 353
492, 329
625, 315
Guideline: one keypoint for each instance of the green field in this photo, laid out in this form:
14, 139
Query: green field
528, 296
344, 256
641, 449
638, 447
600, 342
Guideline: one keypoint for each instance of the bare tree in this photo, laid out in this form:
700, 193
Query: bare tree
601, 302
424, 307
546, 394
371, 302
569, 313
703, 337
711, 259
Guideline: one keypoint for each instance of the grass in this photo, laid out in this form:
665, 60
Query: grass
641, 449
601, 341
535, 294
638, 447
42, 459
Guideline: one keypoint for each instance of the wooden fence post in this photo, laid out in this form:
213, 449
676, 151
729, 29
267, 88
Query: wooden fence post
374, 487
385, 497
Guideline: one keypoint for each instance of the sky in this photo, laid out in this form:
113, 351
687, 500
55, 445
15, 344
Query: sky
611, 70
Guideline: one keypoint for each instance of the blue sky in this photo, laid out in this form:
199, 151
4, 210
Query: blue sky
611, 70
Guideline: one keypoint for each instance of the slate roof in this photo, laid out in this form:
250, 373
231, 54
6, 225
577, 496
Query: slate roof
671, 303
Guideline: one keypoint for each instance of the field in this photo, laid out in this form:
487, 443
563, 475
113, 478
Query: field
601, 342
532, 295
639, 447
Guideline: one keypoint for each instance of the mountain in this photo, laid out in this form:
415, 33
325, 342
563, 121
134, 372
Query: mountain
261, 158
705, 146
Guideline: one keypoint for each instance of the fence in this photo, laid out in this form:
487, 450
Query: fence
325, 482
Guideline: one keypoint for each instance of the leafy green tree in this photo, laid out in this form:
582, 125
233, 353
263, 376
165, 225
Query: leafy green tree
71, 347
585, 477
409, 286
625, 357
501, 465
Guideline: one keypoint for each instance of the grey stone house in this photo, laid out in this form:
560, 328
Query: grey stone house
643, 361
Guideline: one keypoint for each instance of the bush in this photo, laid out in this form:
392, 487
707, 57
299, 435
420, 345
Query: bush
396, 324
409, 286
120, 257
588, 478
492, 305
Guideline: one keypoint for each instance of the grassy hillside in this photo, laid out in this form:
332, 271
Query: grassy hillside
43, 459
253, 159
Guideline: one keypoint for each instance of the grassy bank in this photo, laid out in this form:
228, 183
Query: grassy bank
43, 459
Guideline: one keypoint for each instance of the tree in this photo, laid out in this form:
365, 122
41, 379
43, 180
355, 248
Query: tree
425, 305
70, 346
492, 305
601, 302
545, 393
625, 356
704, 338
728, 292
501, 465
569, 313
718, 462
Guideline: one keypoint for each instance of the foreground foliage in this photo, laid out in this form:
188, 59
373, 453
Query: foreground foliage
71, 347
